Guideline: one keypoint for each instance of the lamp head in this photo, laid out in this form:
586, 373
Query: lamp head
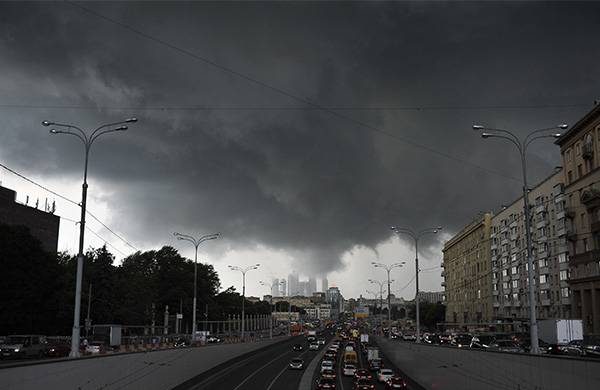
121, 128
477, 127
485, 135
47, 123
556, 135
563, 126
53, 131
131, 120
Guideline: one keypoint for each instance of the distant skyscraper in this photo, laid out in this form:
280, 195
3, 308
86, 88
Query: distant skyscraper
275, 291
292, 284
312, 286
282, 287
324, 284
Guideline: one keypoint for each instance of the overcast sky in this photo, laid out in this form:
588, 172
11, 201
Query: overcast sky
300, 131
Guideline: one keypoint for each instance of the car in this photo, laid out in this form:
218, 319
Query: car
395, 382
506, 346
462, 340
297, 347
330, 355
296, 364
363, 384
180, 342
432, 338
362, 374
24, 346
325, 383
328, 373
409, 337
95, 347
482, 341
349, 369
375, 364
213, 339
58, 350
384, 374
313, 346
321, 341
327, 365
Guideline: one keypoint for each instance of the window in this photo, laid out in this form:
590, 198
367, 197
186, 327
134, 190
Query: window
543, 278
495, 286
569, 155
505, 286
504, 272
513, 270
543, 263
564, 275
513, 258
579, 171
478, 294
515, 297
562, 257
569, 176
515, 284
564, 292
577, 148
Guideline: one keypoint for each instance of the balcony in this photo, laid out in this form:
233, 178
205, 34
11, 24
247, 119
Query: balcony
565, 300
444, 284
561, 231
570, 212
563, 266
495, 292
516, 304
560, 214
545, 302
496, 304
540, 224
540, 209
585, 258
590, 197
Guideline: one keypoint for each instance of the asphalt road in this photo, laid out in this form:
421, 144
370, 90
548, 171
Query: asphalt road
266, 369
346, 382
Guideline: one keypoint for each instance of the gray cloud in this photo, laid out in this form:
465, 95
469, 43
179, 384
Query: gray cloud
299, 180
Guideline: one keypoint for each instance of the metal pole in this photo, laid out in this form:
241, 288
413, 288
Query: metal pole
533, 330
243, 303
194, 326
88, 310
417, 288
75, 335
389, 306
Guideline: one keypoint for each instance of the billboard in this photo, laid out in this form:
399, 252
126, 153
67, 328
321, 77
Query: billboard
361, 312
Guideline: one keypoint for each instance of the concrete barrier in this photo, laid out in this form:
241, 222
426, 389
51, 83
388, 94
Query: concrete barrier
163, 369
439, 367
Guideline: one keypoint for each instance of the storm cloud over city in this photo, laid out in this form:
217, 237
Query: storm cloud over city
299, 131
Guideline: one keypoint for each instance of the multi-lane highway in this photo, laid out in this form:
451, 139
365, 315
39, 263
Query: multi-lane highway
268, 369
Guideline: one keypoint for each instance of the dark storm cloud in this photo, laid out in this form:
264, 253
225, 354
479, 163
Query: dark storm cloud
300, 180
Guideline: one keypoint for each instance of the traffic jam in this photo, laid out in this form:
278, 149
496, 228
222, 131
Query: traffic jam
351, 362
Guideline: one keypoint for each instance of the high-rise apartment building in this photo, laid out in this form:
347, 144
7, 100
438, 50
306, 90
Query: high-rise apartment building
467, 276
312, 286
580, 152
275, 288
282, 287
510, 283
324, 284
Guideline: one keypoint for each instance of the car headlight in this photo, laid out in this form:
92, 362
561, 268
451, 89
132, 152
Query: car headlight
17, 349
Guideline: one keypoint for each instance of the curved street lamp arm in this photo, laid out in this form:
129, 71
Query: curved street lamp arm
94, 136
528, 137
513, 140
81, 137
113, 124
67, 126
530, 140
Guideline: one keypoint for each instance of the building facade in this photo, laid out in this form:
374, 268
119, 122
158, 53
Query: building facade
431, 296
466, 272
41, 224
510, 282
334, 297
580, 153
318, 312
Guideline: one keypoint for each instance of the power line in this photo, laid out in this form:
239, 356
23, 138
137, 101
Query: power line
70, 201
290, 95
291, 108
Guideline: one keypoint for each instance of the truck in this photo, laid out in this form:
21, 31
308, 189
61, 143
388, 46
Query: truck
372, 353
350, 357
560, 331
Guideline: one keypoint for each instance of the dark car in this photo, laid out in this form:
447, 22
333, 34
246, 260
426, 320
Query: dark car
180, 342
363, 384
58, 350
462, 340
482, 341
375, 364
325, 383
506, 346
362, 374
395, 382
297, 347
329, 374
296, 364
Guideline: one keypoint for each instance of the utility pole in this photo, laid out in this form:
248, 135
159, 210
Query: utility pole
389, 268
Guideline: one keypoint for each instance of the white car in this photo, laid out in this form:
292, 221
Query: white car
349, 348
94, 348
384, 374
313, 347
349, 369
321, 341
326, 365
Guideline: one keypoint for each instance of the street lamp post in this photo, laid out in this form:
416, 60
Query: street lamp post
522, 145
88, 140
416, 236
270, 305
388, 268
380, 283
243, 271
196, 242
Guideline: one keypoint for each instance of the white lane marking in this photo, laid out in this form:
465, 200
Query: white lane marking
281, 372
341, 376
257, 371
